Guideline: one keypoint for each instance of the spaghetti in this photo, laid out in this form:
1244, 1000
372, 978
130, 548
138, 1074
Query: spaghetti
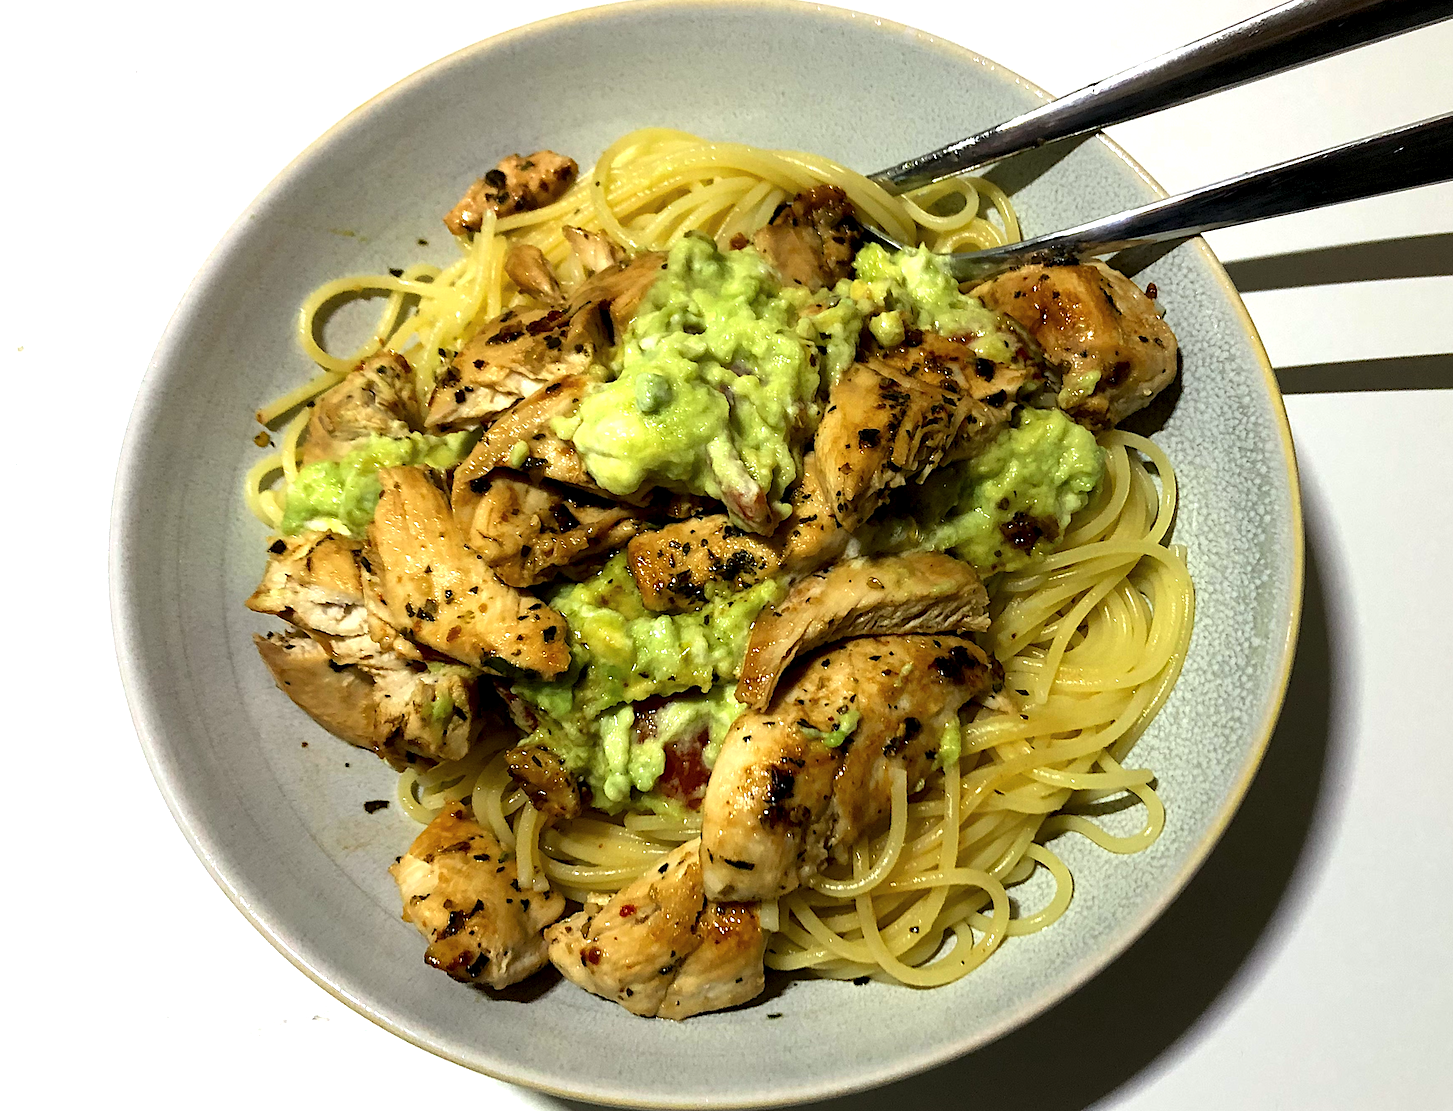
1091, 639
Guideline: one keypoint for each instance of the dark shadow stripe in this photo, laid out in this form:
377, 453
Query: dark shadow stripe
1411, 372
1420, 256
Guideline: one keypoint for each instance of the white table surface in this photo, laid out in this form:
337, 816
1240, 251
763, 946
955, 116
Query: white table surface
1307, 965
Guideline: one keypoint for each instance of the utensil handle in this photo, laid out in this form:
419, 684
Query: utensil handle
1291, 35
1406, 157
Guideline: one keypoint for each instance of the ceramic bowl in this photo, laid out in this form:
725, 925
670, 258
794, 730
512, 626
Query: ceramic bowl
282, 827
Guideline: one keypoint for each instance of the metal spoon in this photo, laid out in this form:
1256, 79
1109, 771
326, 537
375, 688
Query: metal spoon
1403, 158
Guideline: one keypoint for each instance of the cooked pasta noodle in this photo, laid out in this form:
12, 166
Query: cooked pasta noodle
1091, 639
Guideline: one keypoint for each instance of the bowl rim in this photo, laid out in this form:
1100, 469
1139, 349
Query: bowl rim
125, 638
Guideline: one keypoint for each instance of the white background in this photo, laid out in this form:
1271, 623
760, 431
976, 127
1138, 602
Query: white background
1309, 964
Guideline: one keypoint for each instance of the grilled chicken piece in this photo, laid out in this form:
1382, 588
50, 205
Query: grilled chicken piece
461, 894
527, 267
661, 948
781, 802
340, 699
528, 533
517, 184
551, 788
1102, 335
513, 358
620, 289
673, 565
398, 713
811, 537
318, 581
312, 581
921, 592
521, 439
812, 239
594, 251
445, 596
376, 398
895, 417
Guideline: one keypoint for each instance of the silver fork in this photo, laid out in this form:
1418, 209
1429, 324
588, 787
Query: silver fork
1291, 35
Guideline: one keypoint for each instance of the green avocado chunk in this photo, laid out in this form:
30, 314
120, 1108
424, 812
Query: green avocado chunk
622, 654
340, 495
1005, 507
915, 287
712, 385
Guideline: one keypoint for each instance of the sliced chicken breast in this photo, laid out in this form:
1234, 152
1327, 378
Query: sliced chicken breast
527, 267
513, 358
660, 948
592, 250
312, 580
529, 533
400, 713
318, 581
782, 801
921, 592
550, 786
520, 438
462, 892
517, 184
811, 240
895, 417
619, 289
674, 565
377, 398
1102, 335
445, 596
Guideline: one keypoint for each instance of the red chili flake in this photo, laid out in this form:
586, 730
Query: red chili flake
593, 955
627, 910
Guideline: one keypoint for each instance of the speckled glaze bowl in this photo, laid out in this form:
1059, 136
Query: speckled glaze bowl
282, 827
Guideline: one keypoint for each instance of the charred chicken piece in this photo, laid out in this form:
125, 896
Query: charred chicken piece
377, 398
517, 184
521, 439
1100, 334
551, 788
462, 892
527, 267
661, 948
618, 289
312, 580
593, 251
531, 533
782, 802
811, 240
513, 358
921, 592
445, 596
674, 565
895, 417
399, 713
372, 692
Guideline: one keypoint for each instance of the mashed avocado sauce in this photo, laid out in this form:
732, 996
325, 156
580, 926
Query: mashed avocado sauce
712, 382
1006, 506
915, 289
717, 381
718, 377
340, 495
623, 653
